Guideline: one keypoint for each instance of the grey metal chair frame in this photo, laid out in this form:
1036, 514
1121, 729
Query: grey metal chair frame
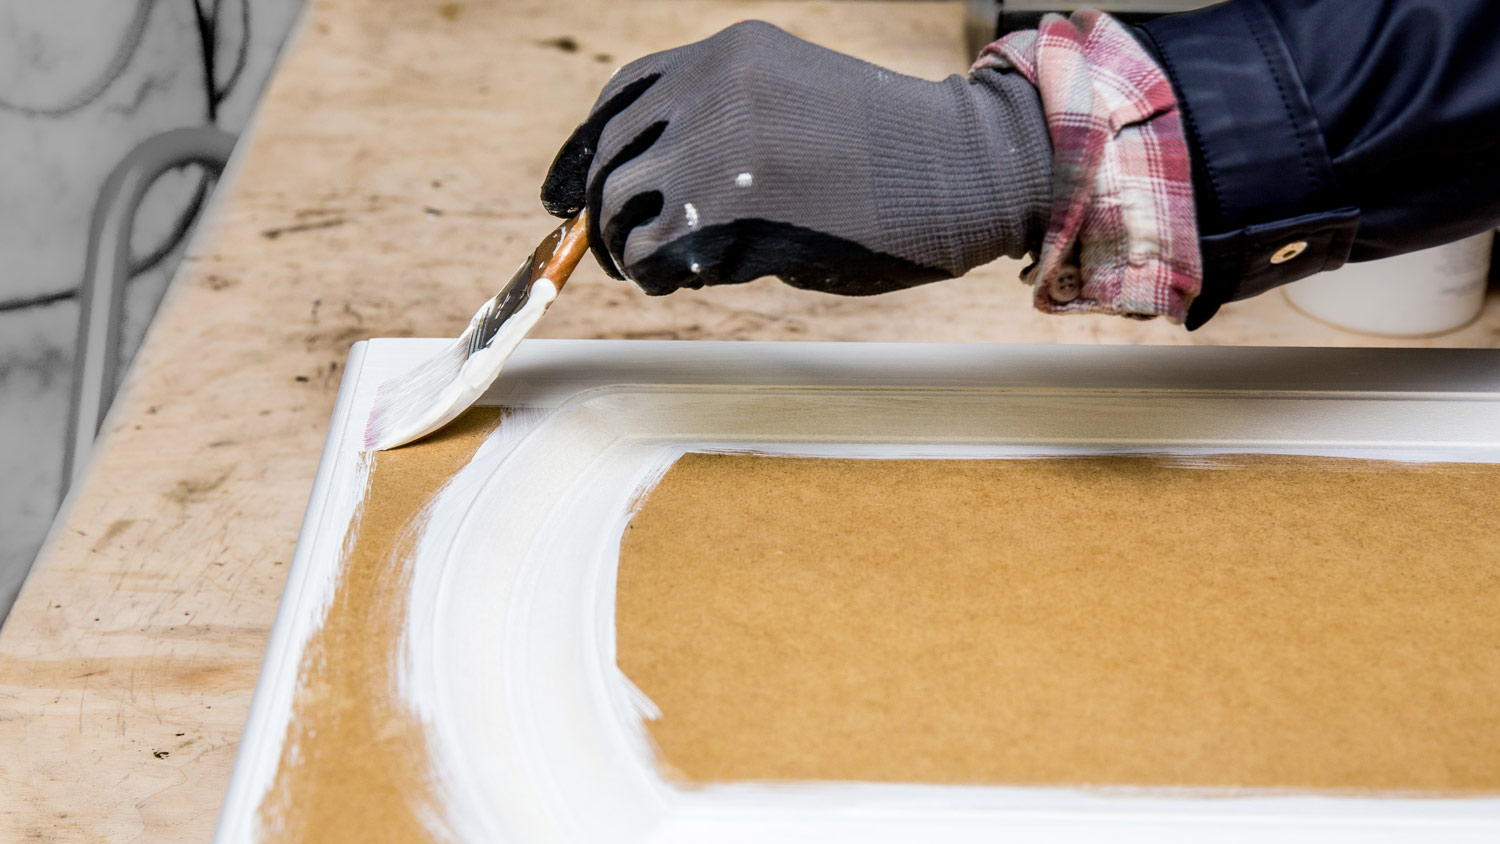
102, 294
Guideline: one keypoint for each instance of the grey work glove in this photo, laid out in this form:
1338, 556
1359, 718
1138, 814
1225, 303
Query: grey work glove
755, 153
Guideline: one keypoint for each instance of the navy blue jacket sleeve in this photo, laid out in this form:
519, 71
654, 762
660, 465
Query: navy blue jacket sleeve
1362, 128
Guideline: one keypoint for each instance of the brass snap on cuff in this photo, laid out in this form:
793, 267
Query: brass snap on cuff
1289, 251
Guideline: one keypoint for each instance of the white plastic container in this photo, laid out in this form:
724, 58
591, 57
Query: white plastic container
1418, 294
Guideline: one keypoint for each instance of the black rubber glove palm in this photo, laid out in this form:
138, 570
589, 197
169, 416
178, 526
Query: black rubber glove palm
755, 153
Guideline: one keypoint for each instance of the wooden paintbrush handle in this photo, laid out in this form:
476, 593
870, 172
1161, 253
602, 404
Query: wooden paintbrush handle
569, 242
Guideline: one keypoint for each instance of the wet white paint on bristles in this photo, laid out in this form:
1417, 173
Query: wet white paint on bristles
405, 418
691, 212
744, 180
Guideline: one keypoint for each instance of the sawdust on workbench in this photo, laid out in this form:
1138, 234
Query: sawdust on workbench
1275, 623
354, 763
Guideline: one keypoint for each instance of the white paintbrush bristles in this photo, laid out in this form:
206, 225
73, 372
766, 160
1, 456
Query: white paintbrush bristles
421, 401
431, 395
401, 402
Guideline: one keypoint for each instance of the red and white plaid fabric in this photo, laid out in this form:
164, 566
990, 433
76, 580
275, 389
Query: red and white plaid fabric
1122, 191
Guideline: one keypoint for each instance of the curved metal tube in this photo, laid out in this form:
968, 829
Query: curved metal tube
102, 294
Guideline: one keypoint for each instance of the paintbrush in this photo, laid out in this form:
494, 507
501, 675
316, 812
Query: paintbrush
431, 395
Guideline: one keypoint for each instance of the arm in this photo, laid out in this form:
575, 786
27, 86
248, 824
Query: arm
1365, 129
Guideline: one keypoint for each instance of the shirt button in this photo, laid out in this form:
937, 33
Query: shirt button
1289, 251
1066, 285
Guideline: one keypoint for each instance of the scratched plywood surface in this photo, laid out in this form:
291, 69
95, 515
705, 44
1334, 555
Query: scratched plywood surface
391, 178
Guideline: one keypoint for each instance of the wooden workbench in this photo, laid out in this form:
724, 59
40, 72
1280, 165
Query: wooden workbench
387, 185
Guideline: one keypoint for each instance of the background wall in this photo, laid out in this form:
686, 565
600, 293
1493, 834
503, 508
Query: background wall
81, 83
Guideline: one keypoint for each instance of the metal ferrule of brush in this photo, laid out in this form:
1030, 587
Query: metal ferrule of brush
429, 396
512, 297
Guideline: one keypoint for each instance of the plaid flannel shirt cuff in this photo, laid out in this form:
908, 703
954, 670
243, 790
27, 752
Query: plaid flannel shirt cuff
1123, 234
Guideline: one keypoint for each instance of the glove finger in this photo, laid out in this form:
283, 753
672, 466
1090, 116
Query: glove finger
747, 249
670, 221
631, 196
652, 64
564, 191
613, 156
636, 212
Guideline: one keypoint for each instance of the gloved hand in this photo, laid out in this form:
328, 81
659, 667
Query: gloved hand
755, 153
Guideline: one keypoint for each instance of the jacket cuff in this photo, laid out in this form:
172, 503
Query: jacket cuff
1269, 208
